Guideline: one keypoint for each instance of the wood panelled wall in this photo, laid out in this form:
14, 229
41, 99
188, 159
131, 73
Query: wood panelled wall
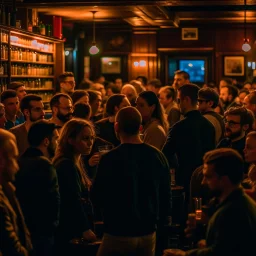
214, 42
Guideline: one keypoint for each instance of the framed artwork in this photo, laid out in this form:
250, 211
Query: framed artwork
110, 65
189, 33
234, 66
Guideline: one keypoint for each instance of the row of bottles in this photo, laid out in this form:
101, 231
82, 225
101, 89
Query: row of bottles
3, 69
4, 37
31, 70
4, 52
3, 84
38, 83
28, 55
33, 44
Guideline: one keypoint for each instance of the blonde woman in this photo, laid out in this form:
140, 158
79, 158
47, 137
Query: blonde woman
76, 139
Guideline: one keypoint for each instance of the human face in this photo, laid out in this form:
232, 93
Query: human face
9, 160
53, 143
224, 94
119, 82
247, 86
203, 105
222, 84
129, 92
21, 92
182, 103
84, 141
11, 106
179, 80
164, 100
250, 149
248, 105
241, 97
125, 103
2, 117
212, 180
68, 85
233, 128
84, 99
65, 109
95, 105
144, 109
36, 111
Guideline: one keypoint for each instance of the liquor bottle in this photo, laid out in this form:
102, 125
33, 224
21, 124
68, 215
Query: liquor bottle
42, 28
36, 27
30, 26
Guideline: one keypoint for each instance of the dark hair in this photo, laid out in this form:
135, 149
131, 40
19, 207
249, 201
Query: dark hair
231, 90
246, 115
115, 89
25, 102
93, 95
55, 100
158, 113
40, 130
143, 78
183, 73
155, 82
112, 102
210, 95
129, 120
191, 91
226, 162
246, 91
8, 94
64, 75
227, 80
82, 110
15, 85
78, 94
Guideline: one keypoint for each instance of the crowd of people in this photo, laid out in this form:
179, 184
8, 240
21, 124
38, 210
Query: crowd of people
55, 182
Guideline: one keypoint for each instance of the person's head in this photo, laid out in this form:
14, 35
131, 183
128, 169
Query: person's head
19, 87
238, 121
208, 99
80, 96
247, 86
149, 107
32, 107
100, 79
130, 92
167, 95
112, 89
61, 106
11, 103
225, 82
128, 122
242, 94
115, 103
67, 82
43, 135
250, 102
228, 93
2, 116
154, 85
8, 156
138, 86
119, 82
250, 148
82, 110
95, 100
187, 97
180, 78
143, 80
223, 170
99, 87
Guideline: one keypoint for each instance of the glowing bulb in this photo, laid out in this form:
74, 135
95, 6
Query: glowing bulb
136, 63
246, 47
66, 53
94, 50
142, 63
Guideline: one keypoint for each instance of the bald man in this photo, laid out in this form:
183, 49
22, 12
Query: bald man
132, 187
130, 92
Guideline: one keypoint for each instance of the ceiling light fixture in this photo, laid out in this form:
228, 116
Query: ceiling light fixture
245, 47
94, 49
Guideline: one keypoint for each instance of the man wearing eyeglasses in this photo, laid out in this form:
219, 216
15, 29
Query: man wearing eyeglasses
238, 122
67, 83
32, 108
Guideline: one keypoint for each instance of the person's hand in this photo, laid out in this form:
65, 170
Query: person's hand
174, 252
94, 160
89, 236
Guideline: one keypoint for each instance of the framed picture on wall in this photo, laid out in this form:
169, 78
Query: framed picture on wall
110, 65
189, 33
234, 66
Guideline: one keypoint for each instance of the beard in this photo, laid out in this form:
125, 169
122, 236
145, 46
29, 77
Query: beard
64, 118
232, 135
35, 119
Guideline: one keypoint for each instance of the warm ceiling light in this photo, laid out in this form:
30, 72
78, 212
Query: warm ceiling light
245, 47
94, 49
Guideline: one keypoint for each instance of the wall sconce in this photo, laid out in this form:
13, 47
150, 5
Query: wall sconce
141, 63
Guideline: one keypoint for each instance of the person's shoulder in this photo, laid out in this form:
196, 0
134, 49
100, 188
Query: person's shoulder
102, 121
17, 128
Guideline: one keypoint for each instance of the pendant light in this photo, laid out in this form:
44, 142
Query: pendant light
94, 49
245, 47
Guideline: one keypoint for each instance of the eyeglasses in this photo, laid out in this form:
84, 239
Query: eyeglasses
201, 100
70, 82
231, 123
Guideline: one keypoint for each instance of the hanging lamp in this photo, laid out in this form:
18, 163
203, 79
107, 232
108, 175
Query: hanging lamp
245, 47
94, 49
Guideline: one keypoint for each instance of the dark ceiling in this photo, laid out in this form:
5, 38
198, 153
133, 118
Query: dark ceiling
143, 13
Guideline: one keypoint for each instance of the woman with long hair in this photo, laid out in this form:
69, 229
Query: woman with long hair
155, 124
76, 139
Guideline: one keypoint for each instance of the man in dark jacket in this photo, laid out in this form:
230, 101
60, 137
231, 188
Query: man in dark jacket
37, 186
